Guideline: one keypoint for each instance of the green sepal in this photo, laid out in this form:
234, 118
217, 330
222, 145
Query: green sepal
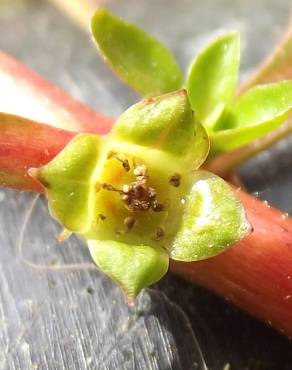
212, 78
200, 147
133, 267
213, 220
164, 122
139, 59
67, 179
257, 112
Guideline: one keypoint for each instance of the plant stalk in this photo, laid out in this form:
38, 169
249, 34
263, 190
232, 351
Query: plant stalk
224, 164
24, 93
79, 10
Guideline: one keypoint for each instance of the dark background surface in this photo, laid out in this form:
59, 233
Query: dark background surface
56, 310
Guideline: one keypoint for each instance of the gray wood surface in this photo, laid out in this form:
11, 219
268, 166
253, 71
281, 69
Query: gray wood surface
59, 312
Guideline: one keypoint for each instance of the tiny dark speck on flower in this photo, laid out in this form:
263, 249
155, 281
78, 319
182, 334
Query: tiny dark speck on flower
159, 234
175, 180
102, 217
124, 161
129, 222
158, 207
126, 165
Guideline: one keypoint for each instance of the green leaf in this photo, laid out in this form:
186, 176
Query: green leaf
67, 181
165, 122
257, 112
212, 78
139, 59
133, 267
213, 220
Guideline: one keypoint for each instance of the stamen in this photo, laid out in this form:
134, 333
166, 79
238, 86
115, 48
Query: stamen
126, 165
111, 154
124, 161
126, 188
97, 187
159, 234
140, 171
110, 187
175, 180
125, 197
129, 222
157, 207
138, 196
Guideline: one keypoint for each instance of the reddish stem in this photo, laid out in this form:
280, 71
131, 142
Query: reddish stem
25, 144
25, 93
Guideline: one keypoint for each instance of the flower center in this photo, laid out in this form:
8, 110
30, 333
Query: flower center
138, 195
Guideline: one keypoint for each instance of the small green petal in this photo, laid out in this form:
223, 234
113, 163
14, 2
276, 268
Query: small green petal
133, 267
139, 59
67, 181
257, 112
213, 220
212, 78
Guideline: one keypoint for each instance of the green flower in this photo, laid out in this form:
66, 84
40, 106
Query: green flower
137, 197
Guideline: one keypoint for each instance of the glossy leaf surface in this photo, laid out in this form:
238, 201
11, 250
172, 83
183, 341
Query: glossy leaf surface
212, 78
139, 59
213, 220
257, 112
132, 267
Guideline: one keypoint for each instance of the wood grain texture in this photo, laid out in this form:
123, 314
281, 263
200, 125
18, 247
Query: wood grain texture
64, 319
55, 315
